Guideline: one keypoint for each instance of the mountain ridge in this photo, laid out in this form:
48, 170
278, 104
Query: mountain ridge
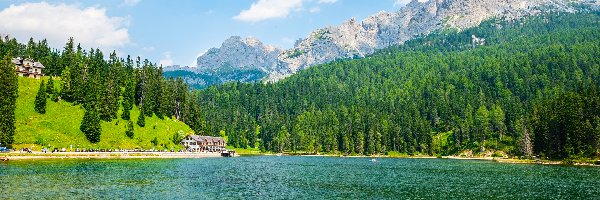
356, 39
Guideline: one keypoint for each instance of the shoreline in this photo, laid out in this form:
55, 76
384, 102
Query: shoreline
13, 156
105, 155
493, 159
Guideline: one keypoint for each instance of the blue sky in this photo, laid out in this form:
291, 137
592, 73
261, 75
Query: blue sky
176, 32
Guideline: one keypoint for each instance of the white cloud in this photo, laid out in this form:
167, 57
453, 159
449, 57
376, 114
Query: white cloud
268, 9
167, 60
130, 2
89, 26
272, 9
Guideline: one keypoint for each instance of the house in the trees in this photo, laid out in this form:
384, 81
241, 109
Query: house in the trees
28, 67
203, 143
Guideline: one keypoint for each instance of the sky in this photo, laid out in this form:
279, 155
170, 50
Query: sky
176, 32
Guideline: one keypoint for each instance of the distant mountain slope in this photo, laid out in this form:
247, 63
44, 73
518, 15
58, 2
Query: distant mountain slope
59, 127
200, 79
355, 39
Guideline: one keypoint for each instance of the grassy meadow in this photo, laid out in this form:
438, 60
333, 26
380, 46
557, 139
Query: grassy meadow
59, 126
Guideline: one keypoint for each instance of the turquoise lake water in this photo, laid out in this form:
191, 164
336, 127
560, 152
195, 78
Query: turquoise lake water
271, 177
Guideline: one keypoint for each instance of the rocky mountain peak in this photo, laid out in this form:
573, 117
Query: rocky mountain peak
238, 53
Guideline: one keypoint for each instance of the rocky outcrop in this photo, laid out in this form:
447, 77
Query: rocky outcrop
239, 54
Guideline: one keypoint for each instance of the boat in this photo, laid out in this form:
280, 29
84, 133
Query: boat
228, 153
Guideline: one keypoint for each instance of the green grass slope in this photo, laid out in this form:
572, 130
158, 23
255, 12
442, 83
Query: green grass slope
59, 127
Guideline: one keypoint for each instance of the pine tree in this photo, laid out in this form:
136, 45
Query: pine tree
30, 49
109, 104
482, 123
50, 86
8, 98
126, 115
40, 99
141, 119
497, 118
128, 99
129, 131
68, 54
281, 140
80, 73
90, 125
66, 92
108, 101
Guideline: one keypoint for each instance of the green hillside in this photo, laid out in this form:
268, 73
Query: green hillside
531, 89
59, 127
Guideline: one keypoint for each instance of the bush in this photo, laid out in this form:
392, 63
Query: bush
154, 141
178, 136
497, 154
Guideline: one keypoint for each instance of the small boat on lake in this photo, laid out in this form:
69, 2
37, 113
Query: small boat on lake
228, 153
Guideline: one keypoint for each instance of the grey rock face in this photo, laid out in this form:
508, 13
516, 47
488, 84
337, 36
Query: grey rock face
238, 53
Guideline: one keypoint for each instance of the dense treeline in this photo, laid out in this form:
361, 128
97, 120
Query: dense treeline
568, 124
439, 94
9, 86
105, 88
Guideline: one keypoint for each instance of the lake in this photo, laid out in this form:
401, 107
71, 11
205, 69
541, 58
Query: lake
272, 177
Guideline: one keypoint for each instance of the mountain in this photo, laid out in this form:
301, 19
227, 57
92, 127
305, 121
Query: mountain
243, 59
239, 54
532, 89
357, 39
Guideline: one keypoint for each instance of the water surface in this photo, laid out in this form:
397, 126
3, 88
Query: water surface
271, 177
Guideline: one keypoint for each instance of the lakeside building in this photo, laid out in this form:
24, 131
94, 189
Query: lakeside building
28, 67
203, 143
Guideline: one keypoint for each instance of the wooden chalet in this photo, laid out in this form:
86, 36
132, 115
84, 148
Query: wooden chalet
203, 143
28, 67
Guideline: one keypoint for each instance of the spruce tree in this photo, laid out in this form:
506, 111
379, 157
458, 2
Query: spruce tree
141, 119
126, 115
40, 99
8, 99
129, 131
66, 92
50, 86
128, 99
90, 125
108, 101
